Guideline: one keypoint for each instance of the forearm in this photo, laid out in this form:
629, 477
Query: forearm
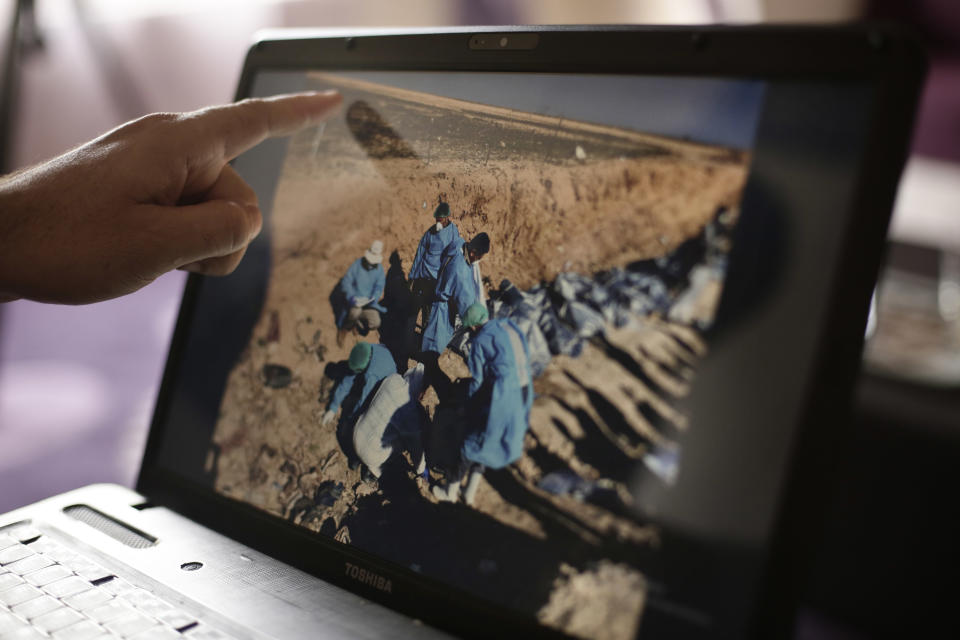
350, 288
475, 365
417, 259
26, 231
340, 393
8, 225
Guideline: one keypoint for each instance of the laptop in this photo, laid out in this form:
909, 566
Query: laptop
549, 332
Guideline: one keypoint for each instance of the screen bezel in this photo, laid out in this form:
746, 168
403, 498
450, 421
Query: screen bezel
882, 57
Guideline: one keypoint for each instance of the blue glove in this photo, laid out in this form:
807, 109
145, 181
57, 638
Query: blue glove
353, 301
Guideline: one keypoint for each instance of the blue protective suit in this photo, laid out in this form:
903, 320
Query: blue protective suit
452, 249
499, 373
359, 283
455, 248
381, 365
429, 256
457, 289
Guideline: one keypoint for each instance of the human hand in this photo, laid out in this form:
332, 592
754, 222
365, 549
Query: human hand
155, 194
328, 417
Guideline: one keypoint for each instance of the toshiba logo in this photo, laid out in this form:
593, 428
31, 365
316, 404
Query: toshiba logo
375, 580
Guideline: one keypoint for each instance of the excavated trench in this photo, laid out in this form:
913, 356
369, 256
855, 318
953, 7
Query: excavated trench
600, 250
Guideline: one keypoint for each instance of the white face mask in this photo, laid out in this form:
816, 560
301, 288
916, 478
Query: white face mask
439, 226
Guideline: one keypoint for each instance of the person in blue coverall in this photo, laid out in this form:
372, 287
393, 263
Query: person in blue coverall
455, 247
427, 260
457, 289
356, 300
500, 395
368, 365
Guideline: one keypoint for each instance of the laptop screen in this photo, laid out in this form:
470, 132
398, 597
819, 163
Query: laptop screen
486, 334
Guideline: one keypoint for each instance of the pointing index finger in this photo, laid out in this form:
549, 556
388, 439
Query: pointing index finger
245, 124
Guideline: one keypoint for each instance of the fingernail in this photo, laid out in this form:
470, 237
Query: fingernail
254, 212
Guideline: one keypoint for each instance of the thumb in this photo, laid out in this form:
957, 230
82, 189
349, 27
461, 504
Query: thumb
209, 236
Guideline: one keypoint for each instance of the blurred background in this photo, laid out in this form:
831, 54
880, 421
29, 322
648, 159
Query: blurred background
77, 384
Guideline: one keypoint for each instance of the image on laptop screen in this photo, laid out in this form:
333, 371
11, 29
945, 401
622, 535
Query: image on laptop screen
488, 296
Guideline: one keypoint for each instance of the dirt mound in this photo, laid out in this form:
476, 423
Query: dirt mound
597, 603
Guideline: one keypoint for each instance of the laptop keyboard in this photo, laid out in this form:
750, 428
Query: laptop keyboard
50, 591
